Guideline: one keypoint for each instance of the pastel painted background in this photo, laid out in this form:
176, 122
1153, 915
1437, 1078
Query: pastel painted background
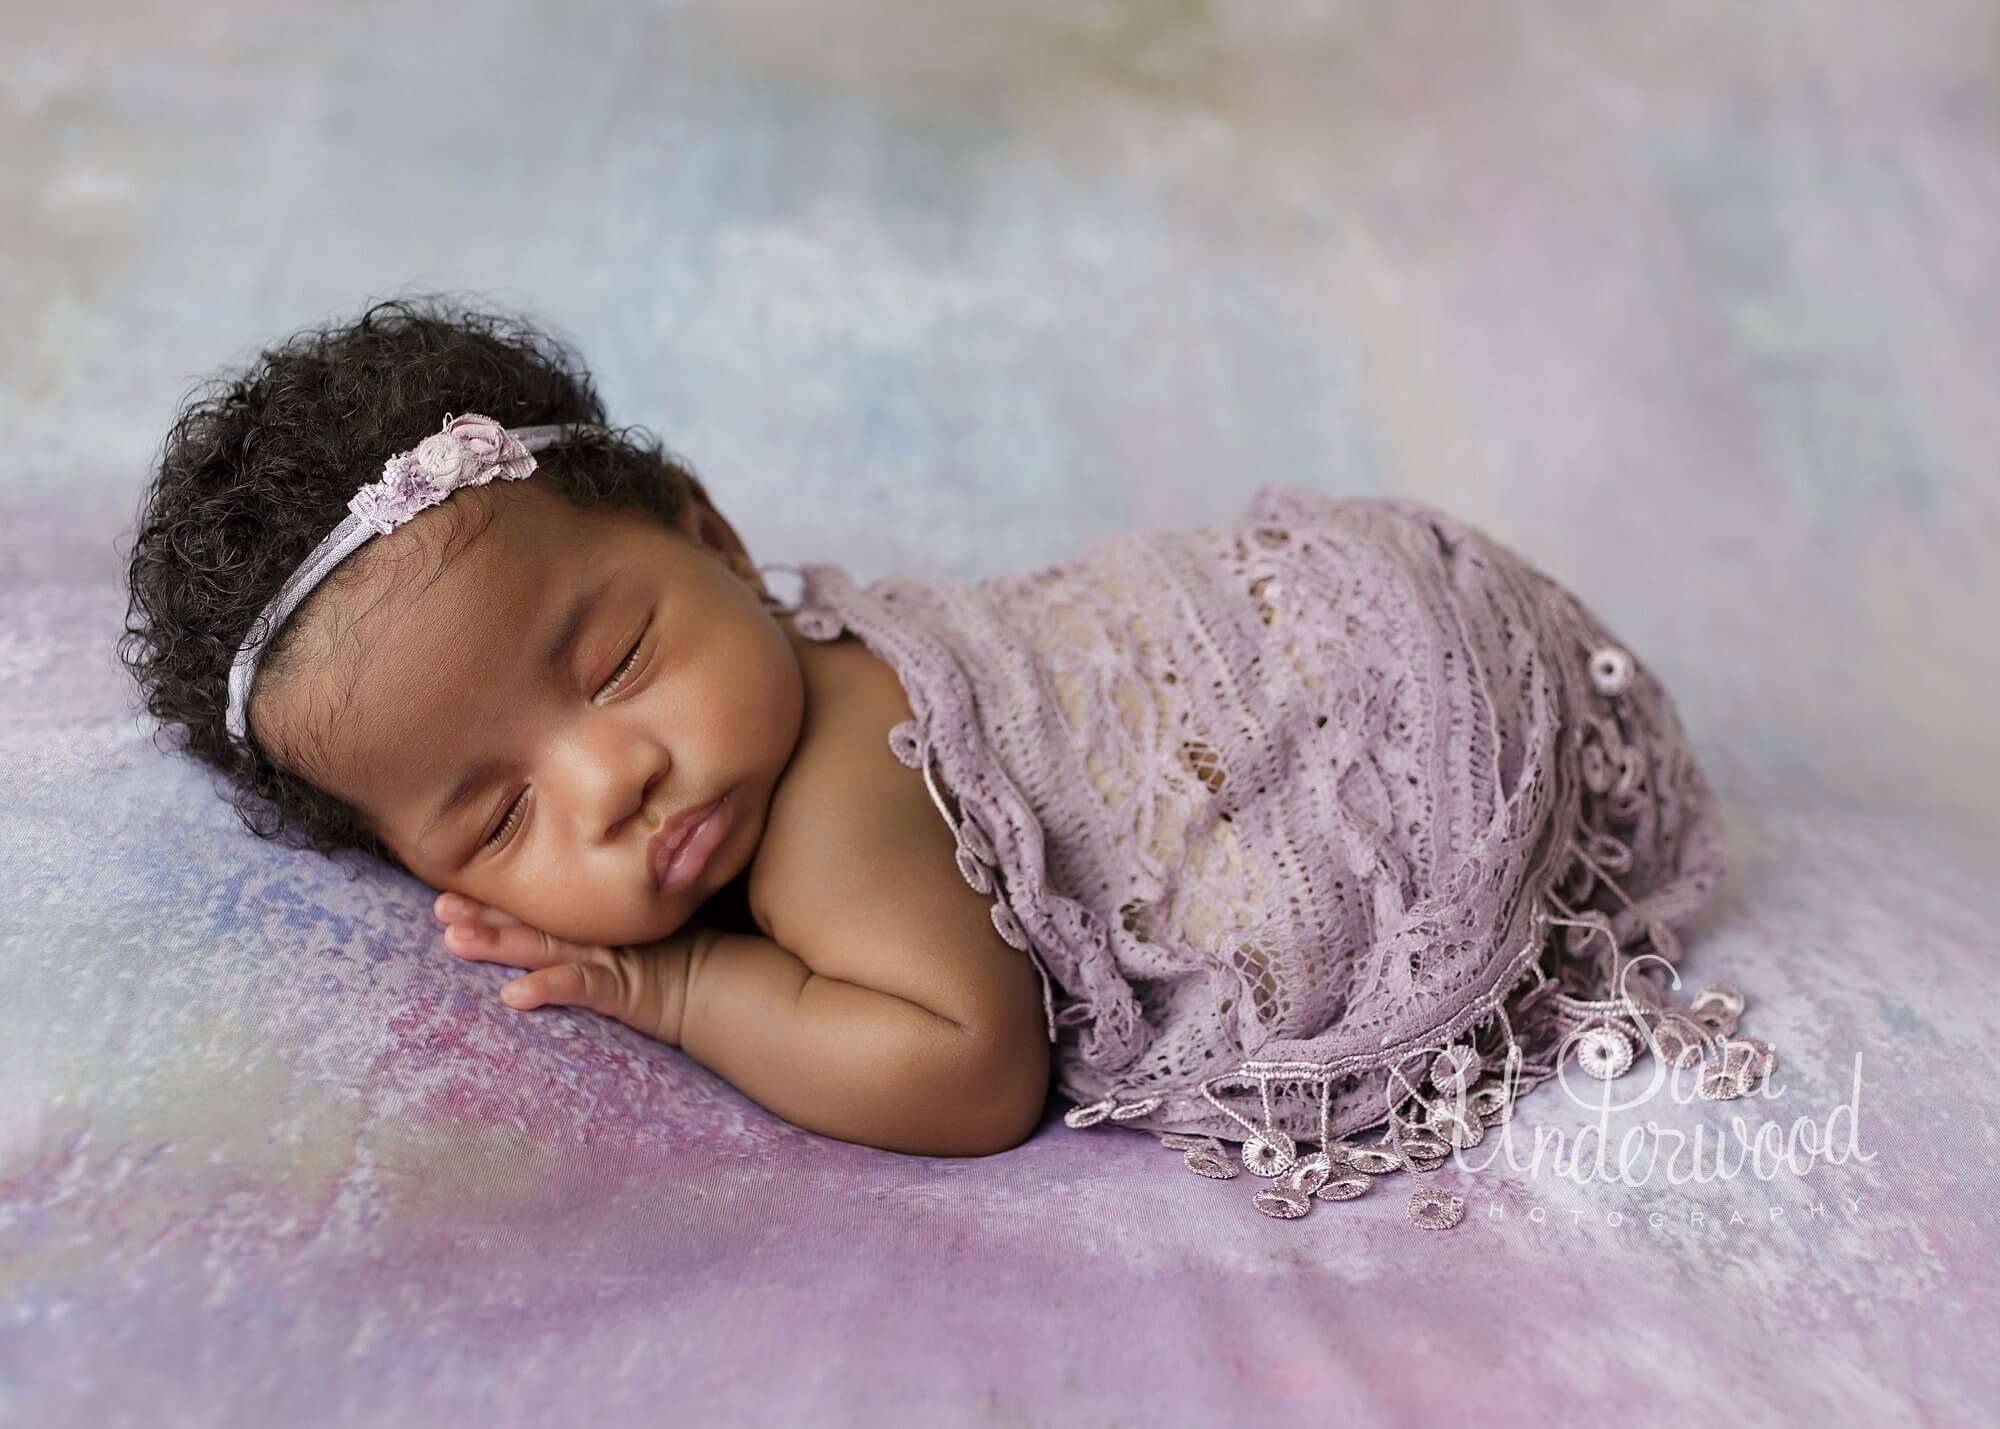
1694, 304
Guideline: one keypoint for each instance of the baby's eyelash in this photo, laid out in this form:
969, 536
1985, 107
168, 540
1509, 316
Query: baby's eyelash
618, 674
506, 823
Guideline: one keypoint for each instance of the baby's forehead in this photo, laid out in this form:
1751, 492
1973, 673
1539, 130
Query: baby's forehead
447, 564
424, 634
392, 641
466, 559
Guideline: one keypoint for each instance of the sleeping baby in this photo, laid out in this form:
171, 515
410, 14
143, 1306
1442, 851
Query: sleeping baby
1337, 818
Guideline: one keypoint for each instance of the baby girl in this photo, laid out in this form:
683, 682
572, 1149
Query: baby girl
1338, 817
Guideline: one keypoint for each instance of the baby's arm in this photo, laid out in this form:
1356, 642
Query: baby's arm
845, 1060
833, 1056
882, 1006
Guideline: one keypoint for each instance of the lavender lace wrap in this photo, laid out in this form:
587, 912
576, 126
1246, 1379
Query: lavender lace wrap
1337, 817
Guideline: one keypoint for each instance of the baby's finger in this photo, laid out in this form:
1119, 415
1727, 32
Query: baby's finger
457, 908
597, 986
518, 946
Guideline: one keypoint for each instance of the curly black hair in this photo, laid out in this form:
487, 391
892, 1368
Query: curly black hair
259, 465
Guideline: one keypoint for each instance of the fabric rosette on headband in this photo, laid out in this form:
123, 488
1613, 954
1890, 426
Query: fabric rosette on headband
470, 451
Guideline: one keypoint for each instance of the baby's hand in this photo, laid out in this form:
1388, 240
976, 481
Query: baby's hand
642, 986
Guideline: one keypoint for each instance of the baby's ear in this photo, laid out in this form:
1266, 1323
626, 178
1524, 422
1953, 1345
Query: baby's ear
708, 527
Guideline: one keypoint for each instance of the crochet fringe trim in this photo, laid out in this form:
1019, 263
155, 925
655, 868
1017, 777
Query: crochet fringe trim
1461, 1094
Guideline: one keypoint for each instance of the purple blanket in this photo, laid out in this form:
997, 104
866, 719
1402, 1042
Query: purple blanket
1691, 306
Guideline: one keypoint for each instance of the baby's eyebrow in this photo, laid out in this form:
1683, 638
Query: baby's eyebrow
561, 636
467, 782
558, 643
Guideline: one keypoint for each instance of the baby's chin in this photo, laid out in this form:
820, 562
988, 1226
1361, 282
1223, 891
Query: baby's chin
650, 927
725, 908
628, 933
657, 929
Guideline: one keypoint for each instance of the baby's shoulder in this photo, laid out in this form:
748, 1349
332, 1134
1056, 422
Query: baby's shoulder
845, 804
858, 874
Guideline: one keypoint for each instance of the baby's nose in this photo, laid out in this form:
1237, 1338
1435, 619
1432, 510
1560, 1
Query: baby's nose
605, 787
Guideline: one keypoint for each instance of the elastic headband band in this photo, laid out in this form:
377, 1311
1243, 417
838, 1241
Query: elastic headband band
470, 451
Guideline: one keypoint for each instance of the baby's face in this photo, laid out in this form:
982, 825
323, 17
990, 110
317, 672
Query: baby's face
678, 686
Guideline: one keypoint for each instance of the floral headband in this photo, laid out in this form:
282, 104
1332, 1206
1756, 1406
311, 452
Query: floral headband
470, 451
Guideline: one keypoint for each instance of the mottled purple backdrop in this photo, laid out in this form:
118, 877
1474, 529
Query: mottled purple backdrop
1694, 305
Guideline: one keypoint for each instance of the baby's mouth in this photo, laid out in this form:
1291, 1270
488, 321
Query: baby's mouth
681, 849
